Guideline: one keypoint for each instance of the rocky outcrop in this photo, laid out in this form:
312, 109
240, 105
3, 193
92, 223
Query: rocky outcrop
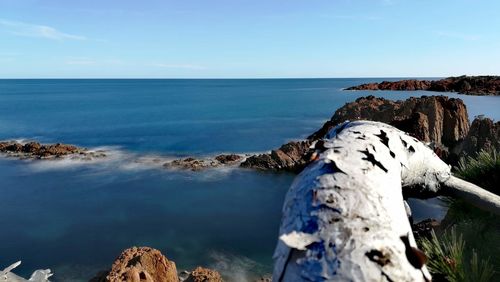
142, 264
484, 134
35, 150
195, 164
440, 120
470, 85
292, 156
436, 119
201, 274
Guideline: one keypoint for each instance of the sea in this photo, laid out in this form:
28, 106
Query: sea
75, 216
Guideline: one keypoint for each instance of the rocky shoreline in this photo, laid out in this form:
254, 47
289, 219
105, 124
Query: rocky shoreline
468, 85
438, 120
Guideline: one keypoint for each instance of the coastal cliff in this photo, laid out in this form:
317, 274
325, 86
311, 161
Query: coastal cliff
469, 85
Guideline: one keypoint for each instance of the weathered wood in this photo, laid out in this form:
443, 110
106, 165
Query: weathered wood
37, 276
472, 194
344, 218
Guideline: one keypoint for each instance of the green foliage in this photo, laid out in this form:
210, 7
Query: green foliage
483, 170
448, 259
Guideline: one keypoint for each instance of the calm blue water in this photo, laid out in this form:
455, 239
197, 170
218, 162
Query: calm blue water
76, 218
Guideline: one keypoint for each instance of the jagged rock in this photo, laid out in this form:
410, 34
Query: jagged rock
292, 156
142, 264
484, 134
437, 119
195, 164
470, 85
35, 150
409, 84
228, 159
201, 274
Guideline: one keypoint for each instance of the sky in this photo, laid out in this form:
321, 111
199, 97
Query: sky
248, 38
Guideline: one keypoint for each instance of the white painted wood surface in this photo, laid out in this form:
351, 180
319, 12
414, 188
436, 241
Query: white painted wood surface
344, 218
37, 276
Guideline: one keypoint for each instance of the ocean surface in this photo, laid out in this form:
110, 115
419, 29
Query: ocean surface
76, 217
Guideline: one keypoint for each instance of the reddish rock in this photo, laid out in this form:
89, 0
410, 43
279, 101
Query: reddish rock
292, 156
142, 264
37, 150
201, 274
484, 134
437, 119
470, 85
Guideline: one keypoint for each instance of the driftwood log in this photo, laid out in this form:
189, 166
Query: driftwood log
344, 217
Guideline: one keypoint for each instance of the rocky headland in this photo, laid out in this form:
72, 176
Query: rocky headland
438, 120
469, 85
35, 150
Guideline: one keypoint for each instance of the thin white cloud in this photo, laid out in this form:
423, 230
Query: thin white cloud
179, 66
456, 35
355, 17
34, 30
85, 61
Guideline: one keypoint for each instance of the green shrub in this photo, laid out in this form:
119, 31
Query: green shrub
448, 259
482, 170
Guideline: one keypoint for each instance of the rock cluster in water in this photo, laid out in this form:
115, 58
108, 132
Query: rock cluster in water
35, 150
196, 164
439, 120
470, 85
144, 264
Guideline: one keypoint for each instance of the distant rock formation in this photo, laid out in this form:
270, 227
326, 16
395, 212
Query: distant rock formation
437, 119
35, 150
469, 85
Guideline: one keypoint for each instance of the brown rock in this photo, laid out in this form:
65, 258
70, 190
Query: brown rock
228, 159
32, 147
437, 119
142, 264
201, 274
292, 156
484, 134
470, 85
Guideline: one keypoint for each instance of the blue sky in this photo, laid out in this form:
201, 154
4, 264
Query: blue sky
248, 38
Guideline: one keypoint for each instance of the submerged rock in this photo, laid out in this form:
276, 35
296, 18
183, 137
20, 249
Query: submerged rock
470, 85
195, 164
